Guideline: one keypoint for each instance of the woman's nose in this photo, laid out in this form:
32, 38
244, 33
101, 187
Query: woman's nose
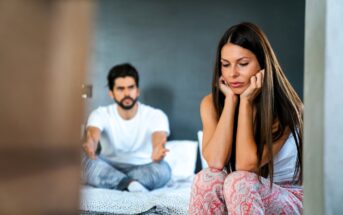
234, 72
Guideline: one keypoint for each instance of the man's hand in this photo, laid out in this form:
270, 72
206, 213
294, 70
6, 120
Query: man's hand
159, 140
159, 152
90, 147
91, 143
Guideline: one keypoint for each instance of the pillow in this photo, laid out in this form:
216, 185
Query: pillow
182, 158
203, 161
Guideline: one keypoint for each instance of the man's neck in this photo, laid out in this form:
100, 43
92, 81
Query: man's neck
127, 114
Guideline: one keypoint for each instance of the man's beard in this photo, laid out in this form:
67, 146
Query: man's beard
126, 107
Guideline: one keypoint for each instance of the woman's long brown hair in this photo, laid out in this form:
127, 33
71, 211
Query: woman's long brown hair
277, 101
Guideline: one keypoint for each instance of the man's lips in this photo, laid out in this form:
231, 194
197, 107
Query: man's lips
236, 84
127, 100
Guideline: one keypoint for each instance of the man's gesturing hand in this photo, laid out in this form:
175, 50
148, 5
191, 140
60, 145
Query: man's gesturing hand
159, 140
91, 142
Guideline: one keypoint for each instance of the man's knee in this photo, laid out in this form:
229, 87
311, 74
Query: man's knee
162, 171
153, 175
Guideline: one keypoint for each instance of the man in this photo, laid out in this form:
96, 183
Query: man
132, 157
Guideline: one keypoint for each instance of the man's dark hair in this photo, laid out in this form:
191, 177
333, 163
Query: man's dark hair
121, 71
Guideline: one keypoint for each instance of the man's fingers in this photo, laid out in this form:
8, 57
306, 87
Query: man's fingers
89, 151
92, 156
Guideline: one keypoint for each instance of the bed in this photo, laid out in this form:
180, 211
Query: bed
171, 199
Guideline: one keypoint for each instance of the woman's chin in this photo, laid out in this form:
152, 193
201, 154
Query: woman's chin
238, 91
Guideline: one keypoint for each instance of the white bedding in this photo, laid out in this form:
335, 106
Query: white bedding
172, 199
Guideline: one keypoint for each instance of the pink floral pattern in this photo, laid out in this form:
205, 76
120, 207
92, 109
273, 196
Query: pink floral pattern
240, 192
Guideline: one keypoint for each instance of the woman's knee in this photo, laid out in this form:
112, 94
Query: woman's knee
208, 178
207, 190
240, 180
213, 173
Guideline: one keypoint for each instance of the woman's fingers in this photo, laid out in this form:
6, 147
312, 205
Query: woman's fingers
253, 81
222, 80
256, 83
259, 80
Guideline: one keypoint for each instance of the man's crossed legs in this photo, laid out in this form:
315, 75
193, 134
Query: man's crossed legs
121, 176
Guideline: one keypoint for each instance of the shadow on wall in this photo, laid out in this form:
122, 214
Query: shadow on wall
159, 96
162, 97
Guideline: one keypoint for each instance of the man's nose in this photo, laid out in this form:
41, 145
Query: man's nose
126, 92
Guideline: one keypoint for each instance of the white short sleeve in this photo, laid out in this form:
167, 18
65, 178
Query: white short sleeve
97, 118
160, 122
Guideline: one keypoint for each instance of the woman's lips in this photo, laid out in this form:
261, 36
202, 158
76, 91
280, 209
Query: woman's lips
236, 84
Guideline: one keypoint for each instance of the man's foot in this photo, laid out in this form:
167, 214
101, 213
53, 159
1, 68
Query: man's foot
135, 186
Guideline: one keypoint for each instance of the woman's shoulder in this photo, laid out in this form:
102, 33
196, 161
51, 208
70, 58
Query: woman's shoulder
207, 109
206, 102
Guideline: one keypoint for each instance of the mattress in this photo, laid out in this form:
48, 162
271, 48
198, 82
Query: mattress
171, 199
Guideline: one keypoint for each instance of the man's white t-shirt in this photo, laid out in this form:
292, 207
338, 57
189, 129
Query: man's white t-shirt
128, 141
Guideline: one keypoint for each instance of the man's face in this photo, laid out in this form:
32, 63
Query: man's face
125, 92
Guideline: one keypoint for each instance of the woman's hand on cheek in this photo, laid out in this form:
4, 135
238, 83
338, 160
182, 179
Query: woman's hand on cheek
256, 83
226, 89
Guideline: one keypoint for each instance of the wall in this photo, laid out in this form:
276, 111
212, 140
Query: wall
333, 139
323, 113
173, 44
314, 107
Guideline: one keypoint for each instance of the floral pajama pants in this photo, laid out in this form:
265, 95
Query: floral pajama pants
216, 192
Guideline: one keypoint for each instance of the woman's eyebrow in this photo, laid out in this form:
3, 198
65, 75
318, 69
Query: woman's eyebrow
242, 58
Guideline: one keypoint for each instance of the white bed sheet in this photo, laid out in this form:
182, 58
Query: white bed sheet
172, 199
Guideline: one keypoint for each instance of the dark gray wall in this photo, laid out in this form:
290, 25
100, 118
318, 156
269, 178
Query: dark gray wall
173, 44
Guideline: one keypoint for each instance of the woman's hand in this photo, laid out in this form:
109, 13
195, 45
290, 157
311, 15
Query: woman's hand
226, 90
256, 83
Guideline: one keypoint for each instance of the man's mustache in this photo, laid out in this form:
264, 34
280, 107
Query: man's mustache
126, 97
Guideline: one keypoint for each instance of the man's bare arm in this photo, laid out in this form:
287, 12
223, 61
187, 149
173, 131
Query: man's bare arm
159, 139
91, 141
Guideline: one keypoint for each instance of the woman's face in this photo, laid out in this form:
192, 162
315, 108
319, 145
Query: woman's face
238, 65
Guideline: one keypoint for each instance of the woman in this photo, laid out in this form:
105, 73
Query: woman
252, 132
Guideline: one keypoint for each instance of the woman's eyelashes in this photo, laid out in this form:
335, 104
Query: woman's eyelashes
243, 64
226, 65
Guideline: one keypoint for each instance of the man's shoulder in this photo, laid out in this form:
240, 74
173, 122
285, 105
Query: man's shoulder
104, 110
149, 110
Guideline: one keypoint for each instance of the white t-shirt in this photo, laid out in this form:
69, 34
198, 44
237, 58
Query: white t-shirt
128, 141
285, 160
